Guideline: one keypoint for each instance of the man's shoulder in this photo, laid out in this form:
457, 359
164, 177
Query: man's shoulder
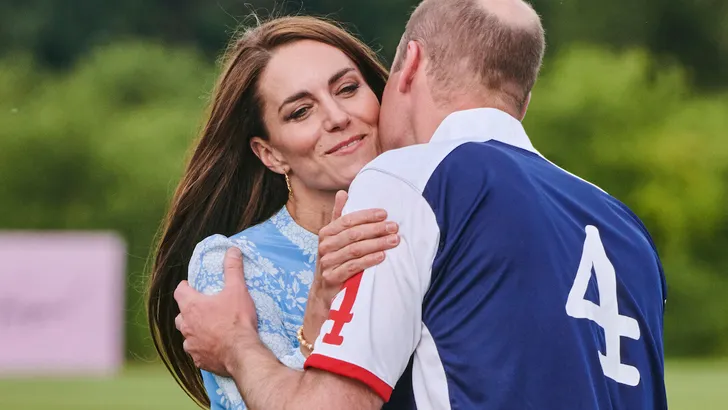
414, 164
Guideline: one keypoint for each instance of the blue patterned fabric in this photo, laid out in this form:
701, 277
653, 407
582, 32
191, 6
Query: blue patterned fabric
279, 258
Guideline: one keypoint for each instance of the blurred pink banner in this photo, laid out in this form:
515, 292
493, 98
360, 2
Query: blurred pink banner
61, 303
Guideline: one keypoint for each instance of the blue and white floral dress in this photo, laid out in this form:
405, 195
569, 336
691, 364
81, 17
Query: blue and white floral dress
279, 258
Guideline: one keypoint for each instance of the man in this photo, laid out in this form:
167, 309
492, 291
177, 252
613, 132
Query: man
515, 285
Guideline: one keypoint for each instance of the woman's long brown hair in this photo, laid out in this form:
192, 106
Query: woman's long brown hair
226, 188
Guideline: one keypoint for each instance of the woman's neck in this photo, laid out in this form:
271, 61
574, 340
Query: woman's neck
311, 209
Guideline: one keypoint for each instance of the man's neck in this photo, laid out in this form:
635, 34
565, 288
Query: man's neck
429, 121
425, 126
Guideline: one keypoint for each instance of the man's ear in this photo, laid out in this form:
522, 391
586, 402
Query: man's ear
271, 157
412, 61
522, 114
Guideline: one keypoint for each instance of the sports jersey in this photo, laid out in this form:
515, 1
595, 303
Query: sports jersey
516, 285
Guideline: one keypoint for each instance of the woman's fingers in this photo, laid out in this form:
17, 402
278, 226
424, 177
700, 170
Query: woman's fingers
339, 203
353, 242
350, 268
357, 250
365, 216
358, 233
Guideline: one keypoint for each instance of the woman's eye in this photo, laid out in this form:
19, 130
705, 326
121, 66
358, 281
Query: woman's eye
298, 114
349, 89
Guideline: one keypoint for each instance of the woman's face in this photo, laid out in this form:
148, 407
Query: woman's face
320, 114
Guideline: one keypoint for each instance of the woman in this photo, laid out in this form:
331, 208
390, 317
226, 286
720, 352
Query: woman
293, 120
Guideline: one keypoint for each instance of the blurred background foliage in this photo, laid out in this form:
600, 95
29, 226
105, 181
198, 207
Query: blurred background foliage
101, 103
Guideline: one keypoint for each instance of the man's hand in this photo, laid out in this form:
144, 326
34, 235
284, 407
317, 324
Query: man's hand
348, 245
214, 326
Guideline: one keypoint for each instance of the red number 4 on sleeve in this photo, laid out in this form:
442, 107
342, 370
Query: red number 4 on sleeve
343, 315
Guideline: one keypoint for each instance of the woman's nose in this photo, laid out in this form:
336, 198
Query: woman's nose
337, 118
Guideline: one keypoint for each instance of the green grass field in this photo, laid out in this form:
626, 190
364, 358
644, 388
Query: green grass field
691, 385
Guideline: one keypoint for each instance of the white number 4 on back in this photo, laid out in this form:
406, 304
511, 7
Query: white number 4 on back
606, 314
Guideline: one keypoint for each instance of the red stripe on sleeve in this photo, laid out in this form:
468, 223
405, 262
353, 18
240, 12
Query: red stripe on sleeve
352, 371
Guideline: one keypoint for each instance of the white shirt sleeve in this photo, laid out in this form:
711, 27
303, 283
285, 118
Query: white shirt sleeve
375, 322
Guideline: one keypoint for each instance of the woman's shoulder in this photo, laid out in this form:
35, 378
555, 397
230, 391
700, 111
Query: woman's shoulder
205, 268
204, 272
256, 244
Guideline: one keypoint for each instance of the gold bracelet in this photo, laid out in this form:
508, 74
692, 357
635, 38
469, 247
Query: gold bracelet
302, 340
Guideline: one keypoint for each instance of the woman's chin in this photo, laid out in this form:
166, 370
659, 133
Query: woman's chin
356, 166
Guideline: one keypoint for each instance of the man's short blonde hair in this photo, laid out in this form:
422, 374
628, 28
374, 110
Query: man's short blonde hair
471, 49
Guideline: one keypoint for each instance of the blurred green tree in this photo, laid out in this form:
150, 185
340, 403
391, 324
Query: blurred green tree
58, 32
101, 147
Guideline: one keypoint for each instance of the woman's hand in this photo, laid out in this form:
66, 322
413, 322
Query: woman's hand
347, 245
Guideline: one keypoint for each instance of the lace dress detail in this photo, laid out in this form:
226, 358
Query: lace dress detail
279, 258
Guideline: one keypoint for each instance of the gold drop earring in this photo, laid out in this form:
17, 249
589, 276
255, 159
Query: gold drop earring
288, 184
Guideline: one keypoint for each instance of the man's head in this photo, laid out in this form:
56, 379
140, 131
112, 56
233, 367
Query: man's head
460, 54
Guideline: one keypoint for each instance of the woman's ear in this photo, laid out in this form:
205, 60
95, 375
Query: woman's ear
271, 157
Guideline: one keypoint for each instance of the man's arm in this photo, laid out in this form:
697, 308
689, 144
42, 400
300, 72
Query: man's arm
373, 327
222, 328
374, 324
266, 384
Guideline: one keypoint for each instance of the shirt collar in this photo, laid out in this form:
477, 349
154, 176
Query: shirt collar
484, 124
